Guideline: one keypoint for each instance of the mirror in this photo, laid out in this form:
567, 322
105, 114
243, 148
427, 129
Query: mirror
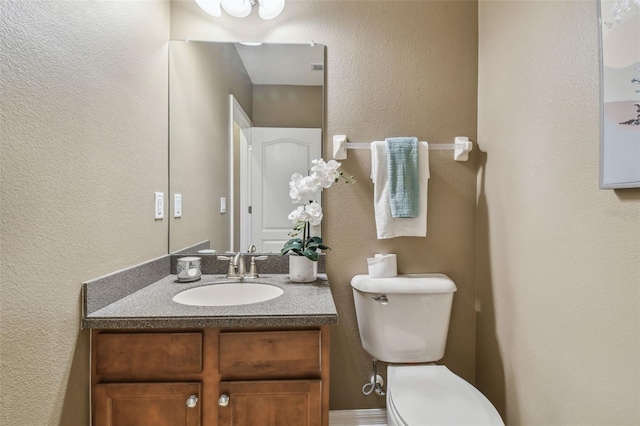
242, 118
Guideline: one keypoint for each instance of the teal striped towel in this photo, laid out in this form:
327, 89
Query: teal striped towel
404, 176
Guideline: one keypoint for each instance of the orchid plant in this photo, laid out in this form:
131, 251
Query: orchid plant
302, 189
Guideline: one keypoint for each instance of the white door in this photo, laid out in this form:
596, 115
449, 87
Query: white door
239, 190
277, 153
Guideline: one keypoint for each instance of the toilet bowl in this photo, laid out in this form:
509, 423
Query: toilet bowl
420, 395
404, 321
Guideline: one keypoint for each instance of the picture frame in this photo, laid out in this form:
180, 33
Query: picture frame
619, 48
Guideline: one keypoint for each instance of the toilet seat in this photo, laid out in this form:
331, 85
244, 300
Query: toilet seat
421, 395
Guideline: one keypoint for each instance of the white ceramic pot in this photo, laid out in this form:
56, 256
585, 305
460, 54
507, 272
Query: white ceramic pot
302, 269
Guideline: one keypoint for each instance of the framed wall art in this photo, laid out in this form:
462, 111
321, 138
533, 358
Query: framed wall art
619, 30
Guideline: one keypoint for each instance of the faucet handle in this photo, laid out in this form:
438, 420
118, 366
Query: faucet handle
253, 270
231, 271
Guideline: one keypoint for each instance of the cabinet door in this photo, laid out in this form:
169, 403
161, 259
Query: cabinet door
143, 404
271, 403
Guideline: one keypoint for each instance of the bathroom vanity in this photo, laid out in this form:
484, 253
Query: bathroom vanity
159, 362
210, 376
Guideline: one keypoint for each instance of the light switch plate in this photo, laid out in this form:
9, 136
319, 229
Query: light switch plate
159, 205
223, 204
177, 205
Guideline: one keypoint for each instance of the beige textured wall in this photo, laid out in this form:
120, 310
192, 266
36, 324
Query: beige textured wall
83, 118
393, 68
199, 135
558, 259
287, 106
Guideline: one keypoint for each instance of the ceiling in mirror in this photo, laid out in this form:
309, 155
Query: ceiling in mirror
230, 106
289, 64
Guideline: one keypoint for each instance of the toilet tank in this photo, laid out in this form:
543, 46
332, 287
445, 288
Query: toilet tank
404, 318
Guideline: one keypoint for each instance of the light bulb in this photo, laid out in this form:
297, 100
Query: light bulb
212, 7
237, 8
269, 9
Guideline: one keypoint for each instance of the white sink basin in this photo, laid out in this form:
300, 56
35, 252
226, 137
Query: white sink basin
228, 294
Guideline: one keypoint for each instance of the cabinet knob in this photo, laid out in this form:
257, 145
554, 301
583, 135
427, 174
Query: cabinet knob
224, 400
192, 401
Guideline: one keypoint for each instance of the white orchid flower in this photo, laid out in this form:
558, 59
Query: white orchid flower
325, 173
302, 187
298, 215
295, 179
313, 213
309, 213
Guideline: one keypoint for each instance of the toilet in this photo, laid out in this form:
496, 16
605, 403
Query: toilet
404, 321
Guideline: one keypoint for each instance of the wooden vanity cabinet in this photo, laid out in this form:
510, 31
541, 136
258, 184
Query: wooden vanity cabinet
272, 402
157, 404
211, 376
271, 377
147, 378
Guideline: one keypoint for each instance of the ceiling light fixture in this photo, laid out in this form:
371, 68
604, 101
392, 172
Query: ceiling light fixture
267, 9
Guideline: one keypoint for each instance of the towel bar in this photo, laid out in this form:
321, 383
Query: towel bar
460, 148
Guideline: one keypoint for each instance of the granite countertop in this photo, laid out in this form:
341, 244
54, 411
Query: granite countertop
301, 304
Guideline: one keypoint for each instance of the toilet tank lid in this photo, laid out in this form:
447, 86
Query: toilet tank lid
405, 284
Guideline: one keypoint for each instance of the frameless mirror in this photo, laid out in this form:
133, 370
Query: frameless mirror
243, 118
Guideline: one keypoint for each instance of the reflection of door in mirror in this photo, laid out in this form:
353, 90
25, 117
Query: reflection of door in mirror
240, 151
276, 153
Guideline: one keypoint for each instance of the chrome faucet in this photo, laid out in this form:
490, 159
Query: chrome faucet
236, 267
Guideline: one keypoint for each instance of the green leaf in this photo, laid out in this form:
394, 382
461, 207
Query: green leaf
315, 243
312, 255
312, 246
297, 251
294, 245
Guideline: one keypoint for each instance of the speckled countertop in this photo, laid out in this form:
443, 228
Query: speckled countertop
301, 304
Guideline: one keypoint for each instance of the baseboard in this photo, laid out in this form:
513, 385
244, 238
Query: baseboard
368, 417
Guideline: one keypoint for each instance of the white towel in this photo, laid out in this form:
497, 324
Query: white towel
386, 225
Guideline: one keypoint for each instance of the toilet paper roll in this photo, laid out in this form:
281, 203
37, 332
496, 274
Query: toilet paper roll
383, 266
